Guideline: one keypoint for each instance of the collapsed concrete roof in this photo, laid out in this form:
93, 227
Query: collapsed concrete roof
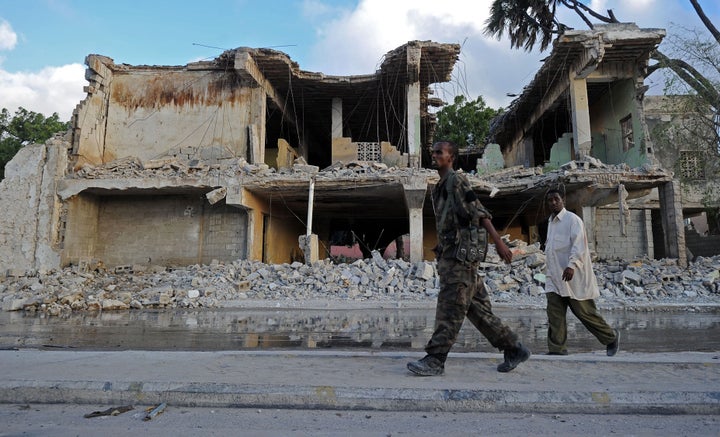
308, 95
576, 52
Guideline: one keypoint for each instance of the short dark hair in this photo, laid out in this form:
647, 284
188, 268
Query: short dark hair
451, 145
553, 191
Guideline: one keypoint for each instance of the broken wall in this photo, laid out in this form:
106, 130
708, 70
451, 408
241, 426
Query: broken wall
677, 129
150, 113
30, 220
163, 230
561, 152
347, 151
612, 243
607, 136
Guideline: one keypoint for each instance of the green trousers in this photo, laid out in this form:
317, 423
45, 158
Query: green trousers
584, 310
463, 294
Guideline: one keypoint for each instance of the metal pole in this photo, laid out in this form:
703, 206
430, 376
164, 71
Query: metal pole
311, 197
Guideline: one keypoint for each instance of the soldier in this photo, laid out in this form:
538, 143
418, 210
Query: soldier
462, 227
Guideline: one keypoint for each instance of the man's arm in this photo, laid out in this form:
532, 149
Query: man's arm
502, 249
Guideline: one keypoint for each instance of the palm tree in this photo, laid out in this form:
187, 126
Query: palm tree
531, 22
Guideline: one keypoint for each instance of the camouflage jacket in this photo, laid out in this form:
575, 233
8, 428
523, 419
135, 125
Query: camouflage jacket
464, 211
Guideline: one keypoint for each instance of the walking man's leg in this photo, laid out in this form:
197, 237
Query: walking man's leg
498, 334
557, 327
452, 306
586, 311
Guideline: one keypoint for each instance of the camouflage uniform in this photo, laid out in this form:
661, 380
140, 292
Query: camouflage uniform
462, 292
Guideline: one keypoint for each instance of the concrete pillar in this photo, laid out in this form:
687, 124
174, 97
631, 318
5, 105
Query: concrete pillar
309, 242
415, 188
257, 107
412, 103
337, 118
254, 243
580, 117
649, 234
672, 222
310, 246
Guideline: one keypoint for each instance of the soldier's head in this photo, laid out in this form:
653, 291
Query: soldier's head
444, 154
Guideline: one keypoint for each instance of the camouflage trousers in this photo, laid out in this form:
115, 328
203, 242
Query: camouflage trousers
463, 294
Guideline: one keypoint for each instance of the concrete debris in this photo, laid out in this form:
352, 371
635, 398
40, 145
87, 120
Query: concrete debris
175, 167
154, 411
375, 279
216, 195
112, 411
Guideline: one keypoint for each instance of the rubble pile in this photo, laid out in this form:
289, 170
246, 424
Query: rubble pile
87, 288
176, 167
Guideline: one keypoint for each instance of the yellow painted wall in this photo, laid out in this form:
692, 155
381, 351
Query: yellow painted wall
281, 242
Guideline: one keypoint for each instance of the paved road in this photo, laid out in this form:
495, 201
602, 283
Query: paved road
586, 383
64, 420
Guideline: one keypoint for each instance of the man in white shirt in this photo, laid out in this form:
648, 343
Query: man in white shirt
570, 279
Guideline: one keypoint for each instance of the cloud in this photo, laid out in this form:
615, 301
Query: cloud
53, 89
8, 37
358, 39
354, 41
316, 9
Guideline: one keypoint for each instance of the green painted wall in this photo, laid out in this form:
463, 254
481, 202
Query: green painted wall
560, 152
491, 161
605, 115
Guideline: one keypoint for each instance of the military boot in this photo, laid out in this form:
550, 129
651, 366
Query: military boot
513, 357
430, 365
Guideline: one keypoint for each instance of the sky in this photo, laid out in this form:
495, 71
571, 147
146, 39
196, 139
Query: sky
43, 43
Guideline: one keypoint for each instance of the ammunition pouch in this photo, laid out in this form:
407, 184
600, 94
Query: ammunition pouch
471, 245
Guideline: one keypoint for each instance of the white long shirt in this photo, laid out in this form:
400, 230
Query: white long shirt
567, 246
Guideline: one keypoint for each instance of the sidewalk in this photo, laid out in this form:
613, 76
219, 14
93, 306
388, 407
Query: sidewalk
629, 383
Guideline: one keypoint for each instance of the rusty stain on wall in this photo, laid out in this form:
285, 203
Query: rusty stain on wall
176, 89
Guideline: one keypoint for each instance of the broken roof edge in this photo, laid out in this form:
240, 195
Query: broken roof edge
444, 54
608, 33
441, 56
611, 32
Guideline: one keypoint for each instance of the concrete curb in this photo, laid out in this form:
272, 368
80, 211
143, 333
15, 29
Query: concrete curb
358, 398
666, 383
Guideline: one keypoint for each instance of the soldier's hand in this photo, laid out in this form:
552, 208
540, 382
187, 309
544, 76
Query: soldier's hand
504, 252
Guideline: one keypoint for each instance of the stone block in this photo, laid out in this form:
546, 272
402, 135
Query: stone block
631, 277
216, 195
424, 271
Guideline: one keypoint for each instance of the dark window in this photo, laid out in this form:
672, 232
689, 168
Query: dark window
627, 133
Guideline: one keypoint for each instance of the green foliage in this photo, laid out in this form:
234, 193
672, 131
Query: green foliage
463, 118
25, 127
526, 22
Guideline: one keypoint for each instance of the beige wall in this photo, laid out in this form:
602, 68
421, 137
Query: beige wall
80, 229
149, 114
167, 230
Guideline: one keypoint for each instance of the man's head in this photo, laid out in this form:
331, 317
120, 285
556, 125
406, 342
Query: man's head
555, 200
444, 153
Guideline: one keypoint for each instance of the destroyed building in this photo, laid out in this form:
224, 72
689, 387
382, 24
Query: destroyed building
685, 140
585, 105
249, 157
